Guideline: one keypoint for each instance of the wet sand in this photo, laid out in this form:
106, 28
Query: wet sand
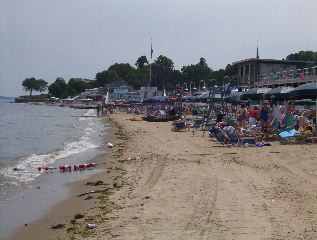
183, 185
64, 211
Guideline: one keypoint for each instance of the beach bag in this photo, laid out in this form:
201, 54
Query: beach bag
249, 141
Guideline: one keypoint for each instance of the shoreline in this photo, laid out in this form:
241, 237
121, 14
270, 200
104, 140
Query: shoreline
61, 215
183, 185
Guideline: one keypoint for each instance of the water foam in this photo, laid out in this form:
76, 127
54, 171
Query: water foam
27, 166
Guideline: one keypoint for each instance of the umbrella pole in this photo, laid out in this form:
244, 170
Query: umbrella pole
316, 117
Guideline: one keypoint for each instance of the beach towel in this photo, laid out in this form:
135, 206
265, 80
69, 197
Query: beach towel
288, 133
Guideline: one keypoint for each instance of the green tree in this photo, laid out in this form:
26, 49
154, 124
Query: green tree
164, 63
162, 71
79, 85
303, 56
141, 62
32, 84
60, 89
197, 72
119, 71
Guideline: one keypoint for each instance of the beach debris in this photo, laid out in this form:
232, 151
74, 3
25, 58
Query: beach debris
16, 169
93, 191
90, 225
46, 168
126, 159
68, 168
118, 184
64, 168
88, 198
79, 216
110, 145
98, 183
84, 166
58, 226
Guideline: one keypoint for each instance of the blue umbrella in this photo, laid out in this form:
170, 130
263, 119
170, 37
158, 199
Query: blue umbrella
278, 93
234, 97
308, 90
254, 93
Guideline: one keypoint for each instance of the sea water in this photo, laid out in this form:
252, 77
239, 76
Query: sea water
33, 136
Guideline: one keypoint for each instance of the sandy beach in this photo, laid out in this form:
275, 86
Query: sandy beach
183, 185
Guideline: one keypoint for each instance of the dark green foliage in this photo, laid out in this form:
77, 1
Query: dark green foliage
60, 89
141, 62
303, 56
32, 84
197, 72
79, 85
119, 71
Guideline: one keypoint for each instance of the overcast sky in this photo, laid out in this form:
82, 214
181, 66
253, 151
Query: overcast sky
78, 38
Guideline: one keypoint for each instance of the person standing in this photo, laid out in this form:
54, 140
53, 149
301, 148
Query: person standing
265, 114
98, 109
242, 116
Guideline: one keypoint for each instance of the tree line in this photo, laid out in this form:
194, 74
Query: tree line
163, 76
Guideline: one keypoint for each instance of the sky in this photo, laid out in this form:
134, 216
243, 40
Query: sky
47, 39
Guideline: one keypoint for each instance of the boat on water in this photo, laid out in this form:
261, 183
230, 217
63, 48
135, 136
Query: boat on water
151, 118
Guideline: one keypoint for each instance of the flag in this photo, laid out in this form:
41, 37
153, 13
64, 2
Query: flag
151, 50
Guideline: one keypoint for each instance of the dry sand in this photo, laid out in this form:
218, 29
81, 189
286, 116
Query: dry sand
185, 186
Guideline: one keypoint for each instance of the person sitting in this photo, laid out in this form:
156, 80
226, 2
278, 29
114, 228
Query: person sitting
253, 116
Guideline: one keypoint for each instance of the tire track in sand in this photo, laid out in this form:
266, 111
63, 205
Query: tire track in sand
152, 177
204, 217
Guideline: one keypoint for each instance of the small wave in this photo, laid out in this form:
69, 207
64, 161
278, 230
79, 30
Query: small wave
88, 115
27, 166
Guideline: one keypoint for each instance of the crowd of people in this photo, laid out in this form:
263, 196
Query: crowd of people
267, 116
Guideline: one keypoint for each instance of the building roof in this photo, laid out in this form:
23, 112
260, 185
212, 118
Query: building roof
272, 61
117, 84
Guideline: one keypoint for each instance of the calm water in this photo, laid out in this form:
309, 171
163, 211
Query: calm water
33, 136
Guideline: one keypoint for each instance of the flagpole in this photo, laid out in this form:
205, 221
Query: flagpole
151, 65
150, 74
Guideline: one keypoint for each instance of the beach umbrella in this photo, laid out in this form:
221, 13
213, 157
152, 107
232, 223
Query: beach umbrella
254, 93
308, 90
278, 93
303, 102
233, 97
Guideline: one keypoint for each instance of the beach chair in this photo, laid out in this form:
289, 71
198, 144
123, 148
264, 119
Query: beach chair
198, 123
219, 134
288, 134
234, 137
179, 125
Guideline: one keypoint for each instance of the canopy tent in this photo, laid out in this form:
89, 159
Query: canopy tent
308, 90
254, 93
280, 93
